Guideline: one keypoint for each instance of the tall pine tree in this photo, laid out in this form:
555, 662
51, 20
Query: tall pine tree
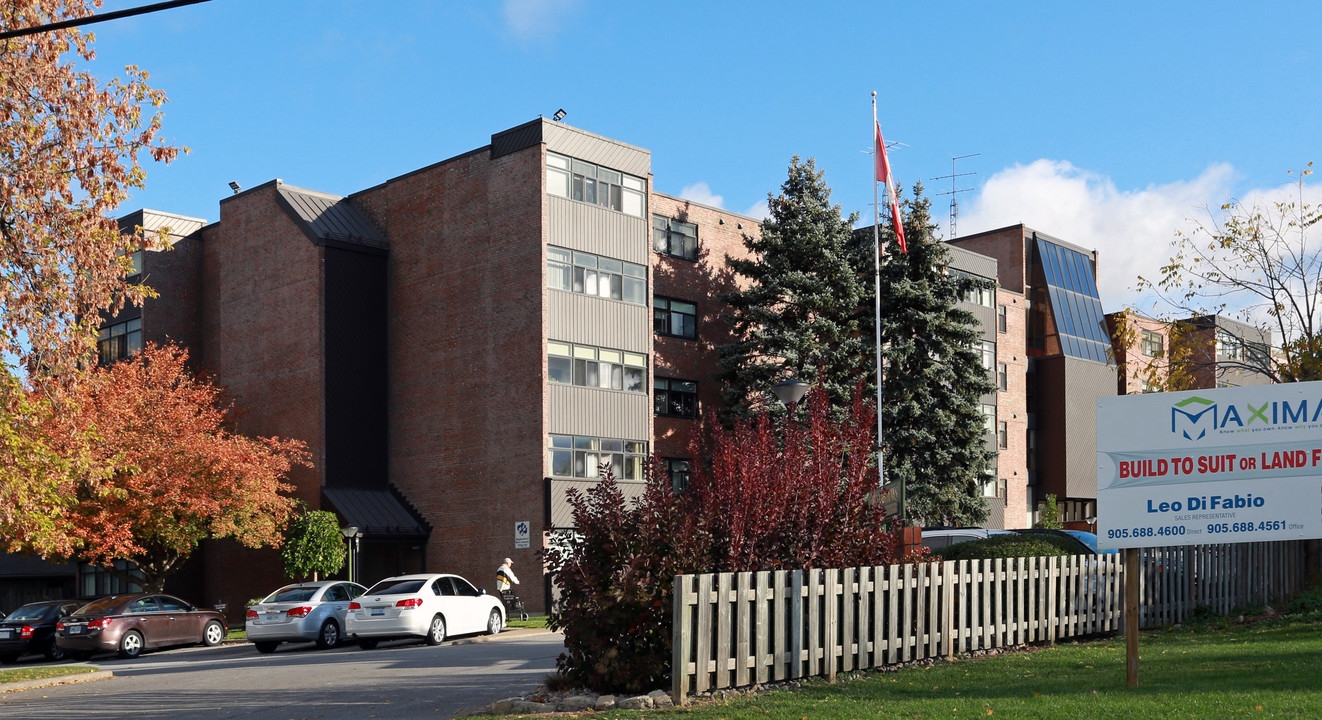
935, 438
799, 312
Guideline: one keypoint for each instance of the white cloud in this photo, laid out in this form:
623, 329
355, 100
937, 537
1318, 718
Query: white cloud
1131, 229
759, 211
531, 19
700, 192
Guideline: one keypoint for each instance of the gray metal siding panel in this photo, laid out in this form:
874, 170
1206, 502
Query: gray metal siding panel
516, 138
613, 154
1084, 383
589, 228
599, 322
972, 262
562, 513
598, 413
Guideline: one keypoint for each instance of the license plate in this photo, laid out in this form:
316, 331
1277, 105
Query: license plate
74, 629
378, 611
273, 617
6, 633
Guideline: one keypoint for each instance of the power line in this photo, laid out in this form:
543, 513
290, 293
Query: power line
117, 14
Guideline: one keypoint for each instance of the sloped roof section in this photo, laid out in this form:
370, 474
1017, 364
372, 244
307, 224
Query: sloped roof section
377, 513
330, 219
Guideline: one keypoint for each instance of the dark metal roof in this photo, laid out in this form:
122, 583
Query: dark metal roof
13, 566
378, 513
330, 219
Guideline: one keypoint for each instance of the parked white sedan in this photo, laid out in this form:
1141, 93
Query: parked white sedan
429, 606
302, 612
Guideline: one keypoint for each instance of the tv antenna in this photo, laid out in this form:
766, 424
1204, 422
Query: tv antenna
955, 190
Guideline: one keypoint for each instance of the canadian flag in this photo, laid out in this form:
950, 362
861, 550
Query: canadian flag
884, 175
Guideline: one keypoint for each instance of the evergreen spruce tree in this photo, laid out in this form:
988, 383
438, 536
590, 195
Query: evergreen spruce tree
799, 314
935, 434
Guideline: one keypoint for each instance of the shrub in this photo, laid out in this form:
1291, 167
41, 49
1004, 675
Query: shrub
792, 496
1007, 546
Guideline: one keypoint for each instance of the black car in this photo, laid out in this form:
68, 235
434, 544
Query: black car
30, 630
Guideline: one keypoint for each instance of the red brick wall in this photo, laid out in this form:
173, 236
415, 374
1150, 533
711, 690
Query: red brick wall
1008, 247
261, 335
1012, 407
176, 275
466, 356
700, 282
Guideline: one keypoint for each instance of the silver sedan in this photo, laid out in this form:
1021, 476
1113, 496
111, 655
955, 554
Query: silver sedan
302, 612
426, 606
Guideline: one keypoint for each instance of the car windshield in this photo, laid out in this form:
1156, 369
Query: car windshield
102, 606
396, 587
292, 594
30, 613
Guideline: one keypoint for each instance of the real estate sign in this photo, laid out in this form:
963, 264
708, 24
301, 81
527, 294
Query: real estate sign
1210, 466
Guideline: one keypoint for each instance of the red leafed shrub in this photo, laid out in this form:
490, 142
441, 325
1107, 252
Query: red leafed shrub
761, 496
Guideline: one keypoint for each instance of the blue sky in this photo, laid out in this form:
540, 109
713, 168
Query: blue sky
1104, 124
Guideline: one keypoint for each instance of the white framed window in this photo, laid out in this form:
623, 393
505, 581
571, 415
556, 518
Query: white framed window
1152, 344
583, 457
586, 182
589, 274
674, 238
587, 366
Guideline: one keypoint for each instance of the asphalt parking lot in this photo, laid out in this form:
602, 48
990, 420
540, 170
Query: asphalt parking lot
397, 680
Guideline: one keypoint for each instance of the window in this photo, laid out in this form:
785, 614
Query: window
982, 295
585, 182
1003, 377
135, 259
1003, 434
588, 366
582, 457
1229, 347
679, 474
676, 398
1152, 344
1031, 445
674, 238
991, 487
989, 418
118, 341
675, 317
143, 605
169, 604
1002, 318
94, 580
589, 274
988, 350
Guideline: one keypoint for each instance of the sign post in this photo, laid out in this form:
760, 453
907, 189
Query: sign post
1229, 465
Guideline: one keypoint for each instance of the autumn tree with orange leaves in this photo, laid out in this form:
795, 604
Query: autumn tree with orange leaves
70, 147
177, 473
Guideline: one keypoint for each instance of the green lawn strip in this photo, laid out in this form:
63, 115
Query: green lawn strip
42, 672
533, 621
1267, 670
237, 635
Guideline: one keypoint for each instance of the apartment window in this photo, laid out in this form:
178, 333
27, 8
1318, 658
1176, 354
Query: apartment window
982, 295
120, 340
1003, 377
1003, 434
674, 238
583, 457
1002, 318
1152, 344
1030, 443
582, 181
675, 317
679, 474
135, 261
988, 351
1229, 347
991, 487
675, 398
989, 418
589, 274
588, 366
94, 580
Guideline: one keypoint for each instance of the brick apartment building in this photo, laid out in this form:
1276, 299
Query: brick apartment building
461, 345
1216, 351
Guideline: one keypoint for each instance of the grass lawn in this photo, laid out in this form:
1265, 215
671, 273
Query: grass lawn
41, 672
1266, 670
533, 621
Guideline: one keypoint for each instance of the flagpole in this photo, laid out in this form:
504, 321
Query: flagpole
876, 293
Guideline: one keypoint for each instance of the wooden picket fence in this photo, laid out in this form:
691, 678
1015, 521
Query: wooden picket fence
737, 629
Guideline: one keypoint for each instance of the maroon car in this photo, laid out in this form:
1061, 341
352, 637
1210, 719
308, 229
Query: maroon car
129, 624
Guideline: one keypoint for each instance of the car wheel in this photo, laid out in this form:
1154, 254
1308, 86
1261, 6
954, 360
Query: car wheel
53, 651
493, 623
368, 643
130, 646
329, 636
266, 648
436, 633
213, 634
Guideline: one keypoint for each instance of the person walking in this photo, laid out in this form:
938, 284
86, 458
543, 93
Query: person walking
505, 581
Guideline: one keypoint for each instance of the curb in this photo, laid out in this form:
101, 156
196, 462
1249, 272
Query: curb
56, 680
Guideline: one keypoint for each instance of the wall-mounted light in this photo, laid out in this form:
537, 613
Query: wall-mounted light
559, 115
235, 187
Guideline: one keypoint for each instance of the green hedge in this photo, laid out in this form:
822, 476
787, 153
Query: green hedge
1009, 546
